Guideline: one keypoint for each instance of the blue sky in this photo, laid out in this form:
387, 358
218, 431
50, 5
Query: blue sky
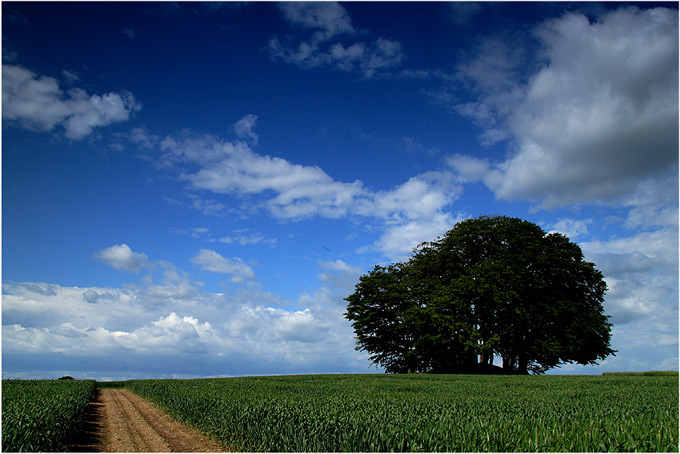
192, 189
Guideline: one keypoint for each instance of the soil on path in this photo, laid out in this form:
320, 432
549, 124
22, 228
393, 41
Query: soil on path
121, 421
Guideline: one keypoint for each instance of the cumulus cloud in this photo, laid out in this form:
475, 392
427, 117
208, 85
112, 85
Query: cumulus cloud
93, 297
398, 241
36, 102
274, 326
169, 334
421, 196
330, 21
593, 121
251, 332
168, 285
641, 272
233, 168
339, 276
572, 228
413, 212
121, 257
210, 260
288, 191
27, 305
599, 118
164, 336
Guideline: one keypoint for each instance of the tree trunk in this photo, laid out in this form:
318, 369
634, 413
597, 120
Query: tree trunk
509, 364
522, 366
485, 359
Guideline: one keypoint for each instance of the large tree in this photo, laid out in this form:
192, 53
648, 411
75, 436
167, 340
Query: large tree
490, 287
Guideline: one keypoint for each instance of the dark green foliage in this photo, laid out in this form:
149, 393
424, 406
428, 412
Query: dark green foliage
491, 287
424, 412
42, 415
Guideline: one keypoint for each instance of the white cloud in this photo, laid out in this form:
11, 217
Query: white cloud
244, 238
30, 305
641, 346
170, 334
195, 232
597, 120
294, 192
398, 241
207, 206
641, 271
169, 285
340, 276
37, 102
121, 257
381, 54
421, 196
167, 335
70, 77
654, 203
94, 297
202, 150
572, 228
347, 58
210, 260
274, 327
593, 126
143, 138
597, 123
469, 168
327, 18
324, 49
413, 212
305, 54
33, 100
233, 168
642, 274
250, 332
244, 128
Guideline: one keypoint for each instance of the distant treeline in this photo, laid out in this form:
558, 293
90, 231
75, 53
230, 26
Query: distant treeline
650, 373
112, 384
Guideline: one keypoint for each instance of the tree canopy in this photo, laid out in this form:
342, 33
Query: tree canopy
490, 287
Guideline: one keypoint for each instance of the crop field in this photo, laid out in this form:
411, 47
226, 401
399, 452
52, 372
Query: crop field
41, 415
427, 412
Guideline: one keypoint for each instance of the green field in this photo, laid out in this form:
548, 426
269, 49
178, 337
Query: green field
613, 412
41, 415
428, 412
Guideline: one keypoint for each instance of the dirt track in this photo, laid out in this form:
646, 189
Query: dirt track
121, 421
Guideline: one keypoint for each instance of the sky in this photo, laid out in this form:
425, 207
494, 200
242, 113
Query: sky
192, 189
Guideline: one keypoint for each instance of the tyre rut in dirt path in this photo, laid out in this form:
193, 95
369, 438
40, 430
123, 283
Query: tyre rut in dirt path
125, 422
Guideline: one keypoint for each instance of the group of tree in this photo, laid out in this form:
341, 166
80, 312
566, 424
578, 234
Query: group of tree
490, 287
